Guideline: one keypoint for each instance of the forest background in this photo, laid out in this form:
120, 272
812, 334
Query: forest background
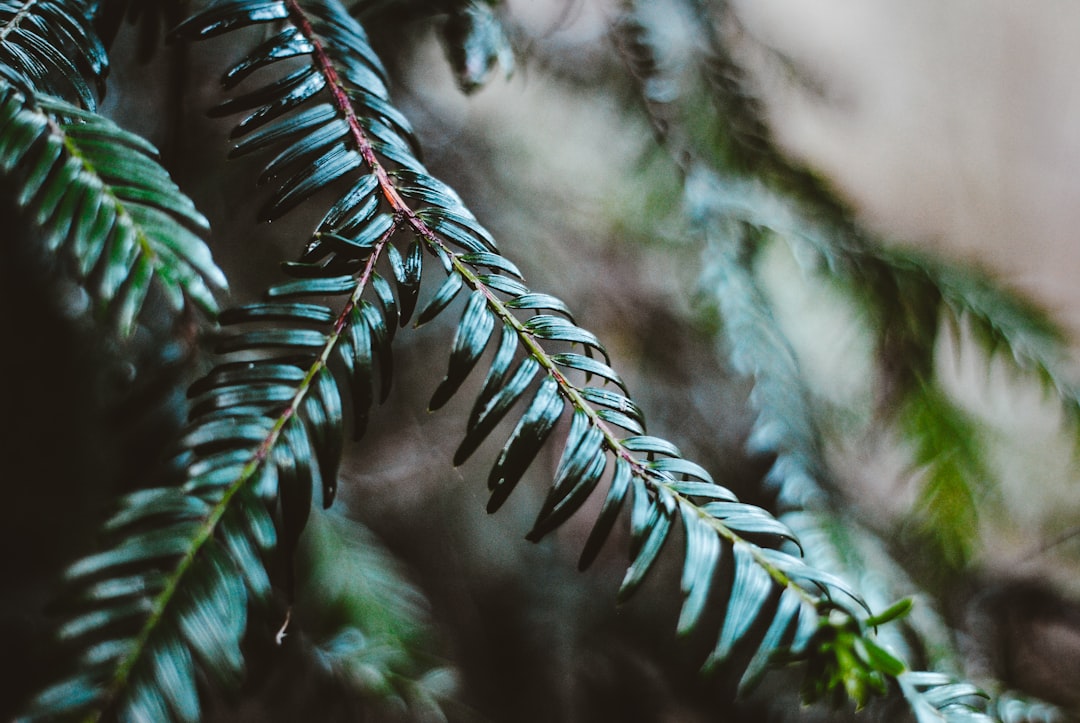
950, 132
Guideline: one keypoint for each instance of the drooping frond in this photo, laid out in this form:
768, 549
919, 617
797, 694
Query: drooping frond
785, 427
1000, 319
112, 214
263, 435
905, 296
785, 424
841, 545
739, 190
161, 613
330, 120
51, 47
167, 599
907, 305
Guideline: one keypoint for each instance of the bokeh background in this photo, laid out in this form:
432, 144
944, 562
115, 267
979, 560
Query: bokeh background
952, 128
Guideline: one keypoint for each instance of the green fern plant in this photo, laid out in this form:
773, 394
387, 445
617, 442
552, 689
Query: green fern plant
160, 620
742, 194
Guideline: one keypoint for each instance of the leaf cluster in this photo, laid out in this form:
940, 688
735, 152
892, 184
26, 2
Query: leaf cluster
161, 613
743, 194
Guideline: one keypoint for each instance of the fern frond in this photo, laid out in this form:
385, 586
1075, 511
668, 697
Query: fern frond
945, 440
261, 437
1000, 318
841, 545
785, 424
939, 698
738, 190
355, 132
906, 296
113, 215
52, 46
167, 599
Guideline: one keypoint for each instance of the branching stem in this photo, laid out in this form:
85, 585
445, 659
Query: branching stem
17, 19
403, 213
209, 525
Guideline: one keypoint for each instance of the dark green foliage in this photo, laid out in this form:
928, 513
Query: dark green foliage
51, 47
113, 215
142, 626
159, 616
273, 423
743, 194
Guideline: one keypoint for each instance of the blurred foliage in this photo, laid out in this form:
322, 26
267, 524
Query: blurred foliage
216, 589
